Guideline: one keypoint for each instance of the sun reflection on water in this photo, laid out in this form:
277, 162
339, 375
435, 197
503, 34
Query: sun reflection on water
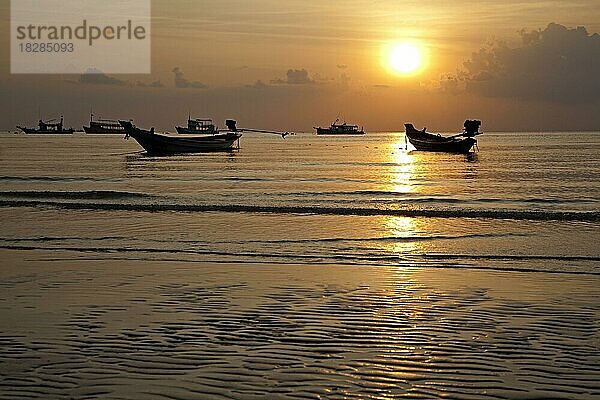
402, 177
404, 229
402, 180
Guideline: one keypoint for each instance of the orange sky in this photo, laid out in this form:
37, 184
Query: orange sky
295, 64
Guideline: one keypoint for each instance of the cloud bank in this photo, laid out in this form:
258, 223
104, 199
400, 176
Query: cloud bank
153, 84
94, 76
295, 77
556, 64
182, 82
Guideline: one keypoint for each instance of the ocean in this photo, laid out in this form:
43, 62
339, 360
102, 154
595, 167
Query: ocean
524, 201
300, 268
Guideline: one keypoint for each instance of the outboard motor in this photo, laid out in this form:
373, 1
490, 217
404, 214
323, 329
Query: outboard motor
472, 127
231, 125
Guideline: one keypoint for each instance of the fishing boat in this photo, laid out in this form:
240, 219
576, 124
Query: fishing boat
460, 143
48, 127
198, 126
340, 129
102, 126
161, 144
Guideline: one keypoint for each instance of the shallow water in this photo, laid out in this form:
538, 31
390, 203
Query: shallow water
524, 201
310, 267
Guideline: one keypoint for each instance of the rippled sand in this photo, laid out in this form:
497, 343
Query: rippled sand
187, 330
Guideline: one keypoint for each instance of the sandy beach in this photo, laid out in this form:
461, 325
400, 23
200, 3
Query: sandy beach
135, 329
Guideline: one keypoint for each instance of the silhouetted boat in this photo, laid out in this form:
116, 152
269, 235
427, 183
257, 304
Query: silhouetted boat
339, 129
425, 141
48, 127
160, 144
103, 126
198, 126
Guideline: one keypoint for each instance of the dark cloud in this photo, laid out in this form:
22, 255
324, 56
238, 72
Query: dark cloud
182, 82
557, 64
295, 77
94, 76
155, 84
452, 84
342, 66
258, 85
298, 77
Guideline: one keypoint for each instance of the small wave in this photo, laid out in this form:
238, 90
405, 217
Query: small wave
85, 195
243, 179
55, 178
413, 260
507, 257
558, 201
410, 238
412, 197
59, 238
394, 239
535, 215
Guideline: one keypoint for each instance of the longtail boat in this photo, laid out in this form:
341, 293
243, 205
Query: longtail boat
165, 143
460, 143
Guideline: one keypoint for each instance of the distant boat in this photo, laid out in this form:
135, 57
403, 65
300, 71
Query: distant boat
198, 126
48, 127
340, 129
426, 141
102, 126
161, 144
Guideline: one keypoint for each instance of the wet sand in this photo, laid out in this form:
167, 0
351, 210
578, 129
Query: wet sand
139, 329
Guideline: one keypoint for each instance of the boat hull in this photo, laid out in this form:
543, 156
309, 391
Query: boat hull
34, 131
186, 131
327, 131
428, 142
99, 130
451, 146
160, 144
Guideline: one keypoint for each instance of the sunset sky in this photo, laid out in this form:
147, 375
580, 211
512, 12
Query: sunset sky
525, 65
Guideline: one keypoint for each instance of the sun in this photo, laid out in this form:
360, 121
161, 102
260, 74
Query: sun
403, 58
